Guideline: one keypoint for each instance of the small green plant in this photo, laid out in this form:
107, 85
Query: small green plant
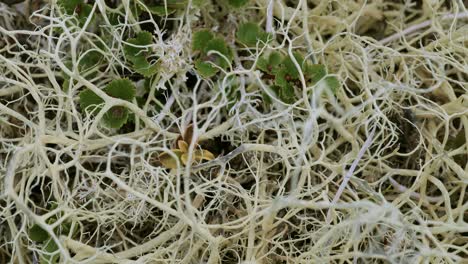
358, 119
182, 152
285, 76
78, 8
117, 116
39, 235
238, 3
213, 50
250, 33
86, 66
138, 55
159, 8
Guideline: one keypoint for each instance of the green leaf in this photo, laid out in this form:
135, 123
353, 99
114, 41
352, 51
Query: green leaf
219, 45
86, 63
275, 59
262, 64
233, 94
141, 100
69, 5
238, 3
291, 67
286, 89
69, 65
51, 220
76, 7
114, 18
205, 42
37, 234
205, 69
315, 72
121, 88
249, 33
64, 228
124, 89
271, 64
276, 93
266, 98
200, 39
176, 3
332, 83
138, 55
68, 229
280, 77
143, 67
50, 247
286, 94
163, 8
90, 101
52, 205
83, 12
116, 117
199, 3
143, 38
160, 10
66, 85
90, 60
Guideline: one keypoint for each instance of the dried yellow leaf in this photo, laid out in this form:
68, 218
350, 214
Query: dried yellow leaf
183, 146
168, 161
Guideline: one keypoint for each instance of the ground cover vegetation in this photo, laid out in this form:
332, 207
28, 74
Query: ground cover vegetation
233, 131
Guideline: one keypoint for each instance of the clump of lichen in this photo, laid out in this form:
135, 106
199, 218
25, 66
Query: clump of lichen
233, 131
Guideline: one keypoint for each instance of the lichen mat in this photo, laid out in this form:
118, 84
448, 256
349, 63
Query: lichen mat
233, 131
